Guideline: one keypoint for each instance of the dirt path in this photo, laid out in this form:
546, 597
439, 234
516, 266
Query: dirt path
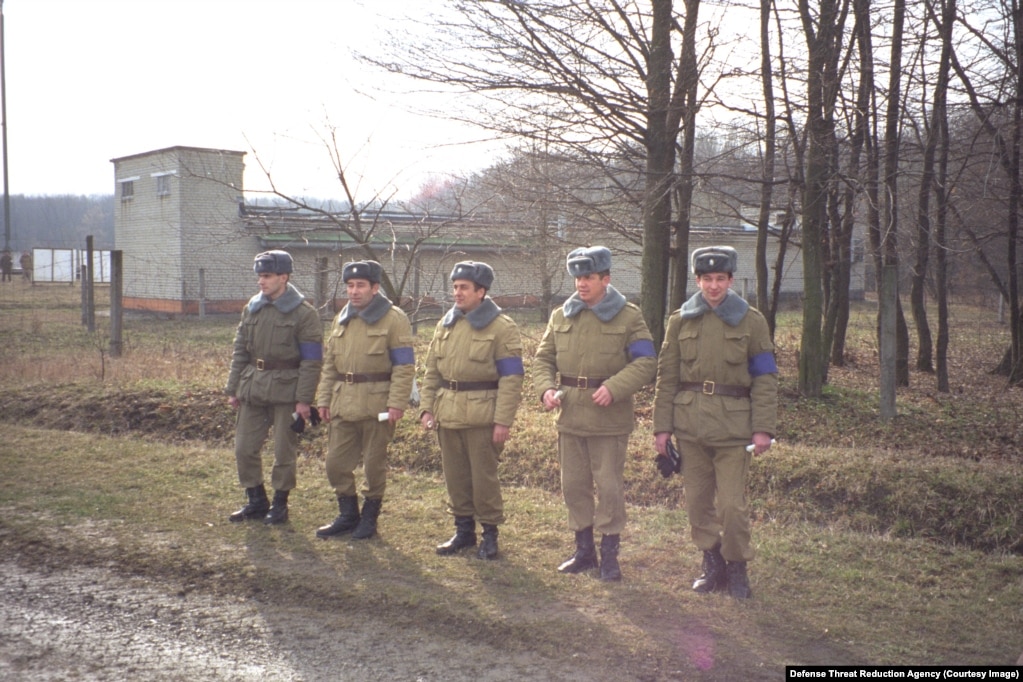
93, 624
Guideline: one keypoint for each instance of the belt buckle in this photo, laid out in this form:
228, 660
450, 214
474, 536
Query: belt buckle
259, 364
708, 388
452, 385
583, 382
349, 377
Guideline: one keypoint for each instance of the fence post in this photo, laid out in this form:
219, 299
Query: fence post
90, 296
202, 293
116, 307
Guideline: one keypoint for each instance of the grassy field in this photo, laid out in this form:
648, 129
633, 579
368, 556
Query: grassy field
878, 542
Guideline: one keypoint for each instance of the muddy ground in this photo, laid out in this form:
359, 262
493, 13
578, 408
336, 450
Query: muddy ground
87, 623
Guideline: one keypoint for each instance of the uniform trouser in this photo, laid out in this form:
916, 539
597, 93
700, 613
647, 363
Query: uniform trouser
588, 461
350, 443
719, 472
253, 427
469, 457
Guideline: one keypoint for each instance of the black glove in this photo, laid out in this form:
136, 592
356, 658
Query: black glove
298, 426
670, 463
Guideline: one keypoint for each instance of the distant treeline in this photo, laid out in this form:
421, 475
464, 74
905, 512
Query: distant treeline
61, 221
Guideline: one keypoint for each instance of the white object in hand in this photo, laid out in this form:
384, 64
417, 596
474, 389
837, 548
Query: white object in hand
383, 416
751, 447
559, 395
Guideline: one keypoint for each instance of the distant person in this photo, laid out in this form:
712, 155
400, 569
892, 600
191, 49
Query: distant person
6, 266
26, 266
471, 392
278, 351
368, 370
595, 354
717, 393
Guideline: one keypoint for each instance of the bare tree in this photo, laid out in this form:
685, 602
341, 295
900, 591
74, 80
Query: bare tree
998, 105
378, 228
606, 73
822, 28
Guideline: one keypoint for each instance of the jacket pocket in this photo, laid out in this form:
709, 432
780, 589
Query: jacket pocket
612, 340
481, 349
736, 350
376, 342
284, 339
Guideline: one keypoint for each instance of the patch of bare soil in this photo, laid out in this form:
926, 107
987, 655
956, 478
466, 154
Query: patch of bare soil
91, 623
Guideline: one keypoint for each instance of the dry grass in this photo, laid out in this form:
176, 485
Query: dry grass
880, 543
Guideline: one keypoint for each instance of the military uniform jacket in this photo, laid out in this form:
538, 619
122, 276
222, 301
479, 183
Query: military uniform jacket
584, 346
705, 348
286, 333
461, 353
362, 346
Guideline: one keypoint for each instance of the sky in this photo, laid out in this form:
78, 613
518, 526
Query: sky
87, 81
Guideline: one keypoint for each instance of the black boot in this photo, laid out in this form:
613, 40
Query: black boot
367, 527
255, 508
278, 512
465, 536
738, 582
346, 521
585, 556
609, 569
713, 578
488, 548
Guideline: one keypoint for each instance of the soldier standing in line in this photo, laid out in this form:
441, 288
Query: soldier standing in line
368, 369
472, 389
717, 392
595, 354
278, 351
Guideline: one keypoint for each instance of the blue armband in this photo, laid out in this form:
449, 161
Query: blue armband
402, 356
641, 348
509, 366
762, 363
310, 350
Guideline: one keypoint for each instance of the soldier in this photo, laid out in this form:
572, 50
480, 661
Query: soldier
6, 266
471, 392
716, 392
26, 266
278, 351
368, 369
600, 346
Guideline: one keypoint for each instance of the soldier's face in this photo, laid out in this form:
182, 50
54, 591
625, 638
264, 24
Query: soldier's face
272, 284
361, 292
592, 287
714, 287
467, 296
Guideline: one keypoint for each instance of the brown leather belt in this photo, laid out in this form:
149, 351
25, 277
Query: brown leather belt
263, 365
713, 388
356, 378
469, 385
583, 382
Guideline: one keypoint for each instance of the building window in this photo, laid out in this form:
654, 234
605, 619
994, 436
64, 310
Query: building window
127, 189
163, 185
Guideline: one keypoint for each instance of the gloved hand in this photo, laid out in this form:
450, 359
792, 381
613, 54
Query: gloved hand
671, 463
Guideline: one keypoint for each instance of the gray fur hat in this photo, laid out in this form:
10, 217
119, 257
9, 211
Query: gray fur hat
362, 269
714, 259
277, 262
587, 260
474, 271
